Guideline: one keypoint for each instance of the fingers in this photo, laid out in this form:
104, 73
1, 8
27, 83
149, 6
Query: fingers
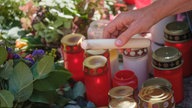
125, 36
114, 28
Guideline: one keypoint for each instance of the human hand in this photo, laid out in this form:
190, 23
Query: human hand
129, 23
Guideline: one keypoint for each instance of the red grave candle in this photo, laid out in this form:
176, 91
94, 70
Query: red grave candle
73, 55
125, 78
178, 35
167, 63
102, 52
97, 81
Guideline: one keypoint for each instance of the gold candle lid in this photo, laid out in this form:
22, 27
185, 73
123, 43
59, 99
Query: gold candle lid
94, 62
166, 58
177, 31
157, 81
177, 28
95, 65
155, 94
72, 39
121, 92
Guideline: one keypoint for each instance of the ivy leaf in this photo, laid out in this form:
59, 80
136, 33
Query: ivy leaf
3, 54
21, 82
55, 80
6, 99
7, 70
47, 97
45, 66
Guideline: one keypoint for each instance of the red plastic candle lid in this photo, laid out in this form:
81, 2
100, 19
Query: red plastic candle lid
126, 78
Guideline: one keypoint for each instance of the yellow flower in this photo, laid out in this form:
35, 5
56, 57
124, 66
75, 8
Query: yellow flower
21, 43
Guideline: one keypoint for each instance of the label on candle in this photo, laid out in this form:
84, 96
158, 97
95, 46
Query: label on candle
135, 52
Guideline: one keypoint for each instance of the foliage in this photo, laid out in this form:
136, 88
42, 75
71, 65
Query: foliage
22, 78
10, 14
56, 18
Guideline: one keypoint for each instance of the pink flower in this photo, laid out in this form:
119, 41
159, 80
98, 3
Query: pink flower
29, 8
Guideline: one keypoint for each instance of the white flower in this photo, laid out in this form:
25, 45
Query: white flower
54, 11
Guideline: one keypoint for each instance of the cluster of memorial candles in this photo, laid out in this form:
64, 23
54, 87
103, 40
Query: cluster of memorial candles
92, 62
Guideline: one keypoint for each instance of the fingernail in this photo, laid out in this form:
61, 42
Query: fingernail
118, 42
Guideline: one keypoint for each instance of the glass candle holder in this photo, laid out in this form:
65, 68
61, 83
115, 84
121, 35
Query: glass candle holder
121, 97
134, 58
97, 81
95, 30
114, 61
156, 97
73, 55
178, 35
125, 78
167, 63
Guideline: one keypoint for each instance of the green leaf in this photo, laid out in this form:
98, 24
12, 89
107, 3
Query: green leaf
47, 97
67, 24
39, 26
45, 66
7, 70
21, 82
6, 99
58, 22
55, 80
34, 70
61, 101
3, 55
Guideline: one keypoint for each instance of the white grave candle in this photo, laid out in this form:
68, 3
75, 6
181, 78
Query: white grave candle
137, 61
110, 43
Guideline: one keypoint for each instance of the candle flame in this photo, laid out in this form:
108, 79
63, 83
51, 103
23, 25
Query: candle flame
98, 81
80, 40
76, 60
